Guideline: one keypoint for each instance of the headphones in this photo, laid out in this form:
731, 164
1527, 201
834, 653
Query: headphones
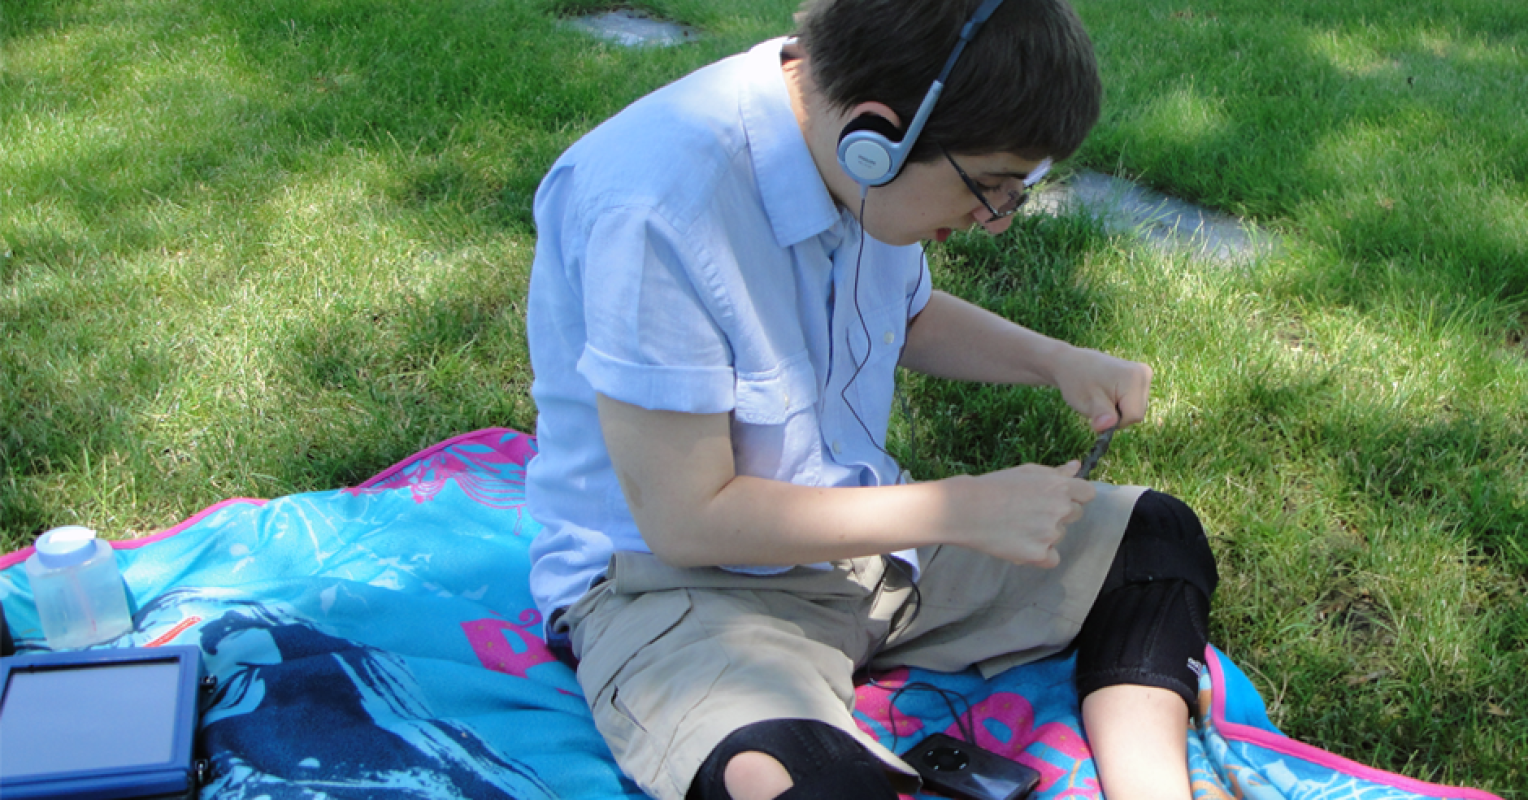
871, 149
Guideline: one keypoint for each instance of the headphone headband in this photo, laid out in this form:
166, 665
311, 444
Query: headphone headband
868, 153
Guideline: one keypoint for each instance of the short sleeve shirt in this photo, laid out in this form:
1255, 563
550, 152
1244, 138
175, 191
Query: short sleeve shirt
690, 258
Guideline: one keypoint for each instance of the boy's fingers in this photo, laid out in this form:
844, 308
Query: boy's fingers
1131, 411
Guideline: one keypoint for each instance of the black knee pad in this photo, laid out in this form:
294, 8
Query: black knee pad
824, 762
1150, 623
1148, 634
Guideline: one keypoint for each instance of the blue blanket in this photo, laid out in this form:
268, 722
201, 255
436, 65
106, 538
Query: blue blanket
381, 641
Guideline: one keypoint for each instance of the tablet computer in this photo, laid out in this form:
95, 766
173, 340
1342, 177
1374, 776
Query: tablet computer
105, 723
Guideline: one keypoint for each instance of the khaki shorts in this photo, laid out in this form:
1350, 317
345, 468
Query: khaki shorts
673, 660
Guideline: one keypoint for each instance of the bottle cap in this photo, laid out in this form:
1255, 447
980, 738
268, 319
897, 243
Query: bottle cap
66, 546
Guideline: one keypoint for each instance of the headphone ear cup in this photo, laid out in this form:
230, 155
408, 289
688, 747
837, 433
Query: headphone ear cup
867, 149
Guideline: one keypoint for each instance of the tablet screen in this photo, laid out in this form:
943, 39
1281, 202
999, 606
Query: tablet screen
72, 718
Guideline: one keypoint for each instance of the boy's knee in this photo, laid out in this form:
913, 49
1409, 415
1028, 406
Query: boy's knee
753, 775
1165, 540
822, 762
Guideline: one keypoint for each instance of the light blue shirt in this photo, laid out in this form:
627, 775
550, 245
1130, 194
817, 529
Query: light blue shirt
690, 258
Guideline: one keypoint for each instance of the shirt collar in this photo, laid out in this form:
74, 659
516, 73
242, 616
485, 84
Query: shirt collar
794, 194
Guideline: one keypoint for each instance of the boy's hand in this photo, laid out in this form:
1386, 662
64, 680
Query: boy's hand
1109, 391
1023, 512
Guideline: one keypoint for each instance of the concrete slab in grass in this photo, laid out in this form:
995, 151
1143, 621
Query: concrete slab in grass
634, 29
1166, 222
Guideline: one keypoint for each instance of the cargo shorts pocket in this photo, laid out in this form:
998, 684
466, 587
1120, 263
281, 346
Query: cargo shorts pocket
644, 671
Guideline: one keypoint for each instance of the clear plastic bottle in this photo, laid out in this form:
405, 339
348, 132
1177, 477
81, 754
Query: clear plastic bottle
79, 592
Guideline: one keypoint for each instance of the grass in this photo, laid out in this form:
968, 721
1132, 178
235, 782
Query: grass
250, 249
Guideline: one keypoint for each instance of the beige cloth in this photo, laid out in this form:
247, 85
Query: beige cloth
673, 660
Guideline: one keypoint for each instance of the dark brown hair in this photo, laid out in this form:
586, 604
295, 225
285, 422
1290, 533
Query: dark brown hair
1027, 84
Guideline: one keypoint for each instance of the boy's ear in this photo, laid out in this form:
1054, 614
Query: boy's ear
874, 123
876, 117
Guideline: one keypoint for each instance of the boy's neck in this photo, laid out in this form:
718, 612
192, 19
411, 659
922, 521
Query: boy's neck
820, 125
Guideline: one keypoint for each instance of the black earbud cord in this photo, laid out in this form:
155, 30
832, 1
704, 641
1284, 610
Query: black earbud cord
953, 701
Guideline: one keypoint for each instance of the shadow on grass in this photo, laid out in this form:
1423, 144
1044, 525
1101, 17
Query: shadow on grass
1030, 275
1463, 473
34, 18
159, 206
1373, 568
65, 412
1388, 135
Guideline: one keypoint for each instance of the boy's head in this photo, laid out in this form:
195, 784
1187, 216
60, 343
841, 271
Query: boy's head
1027, 84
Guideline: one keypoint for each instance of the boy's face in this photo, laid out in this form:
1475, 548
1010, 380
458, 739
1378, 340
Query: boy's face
929, 200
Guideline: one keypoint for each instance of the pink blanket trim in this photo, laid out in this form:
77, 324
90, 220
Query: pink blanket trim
1280, 743
10, 559
518, 448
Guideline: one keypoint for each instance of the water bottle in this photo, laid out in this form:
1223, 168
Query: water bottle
79, 593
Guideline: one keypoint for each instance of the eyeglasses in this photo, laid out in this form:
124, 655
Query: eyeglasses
1013, 199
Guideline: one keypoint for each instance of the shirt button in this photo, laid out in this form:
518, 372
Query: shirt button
838, 447
889, 338
787, 399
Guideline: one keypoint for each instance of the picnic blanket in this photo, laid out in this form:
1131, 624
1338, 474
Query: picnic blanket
381, 641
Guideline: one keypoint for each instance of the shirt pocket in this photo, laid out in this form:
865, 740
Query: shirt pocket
770, 397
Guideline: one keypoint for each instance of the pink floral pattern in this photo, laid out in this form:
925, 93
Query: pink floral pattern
489, 466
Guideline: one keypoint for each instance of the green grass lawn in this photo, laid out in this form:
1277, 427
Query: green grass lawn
256, 248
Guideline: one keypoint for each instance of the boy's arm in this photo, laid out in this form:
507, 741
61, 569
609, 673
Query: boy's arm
952, 338
677, 472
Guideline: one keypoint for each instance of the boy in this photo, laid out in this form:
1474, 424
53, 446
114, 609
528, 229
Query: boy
727, 276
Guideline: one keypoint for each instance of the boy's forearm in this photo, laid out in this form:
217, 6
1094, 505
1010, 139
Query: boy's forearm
955, 339
756, 521
952, 338
678, 476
